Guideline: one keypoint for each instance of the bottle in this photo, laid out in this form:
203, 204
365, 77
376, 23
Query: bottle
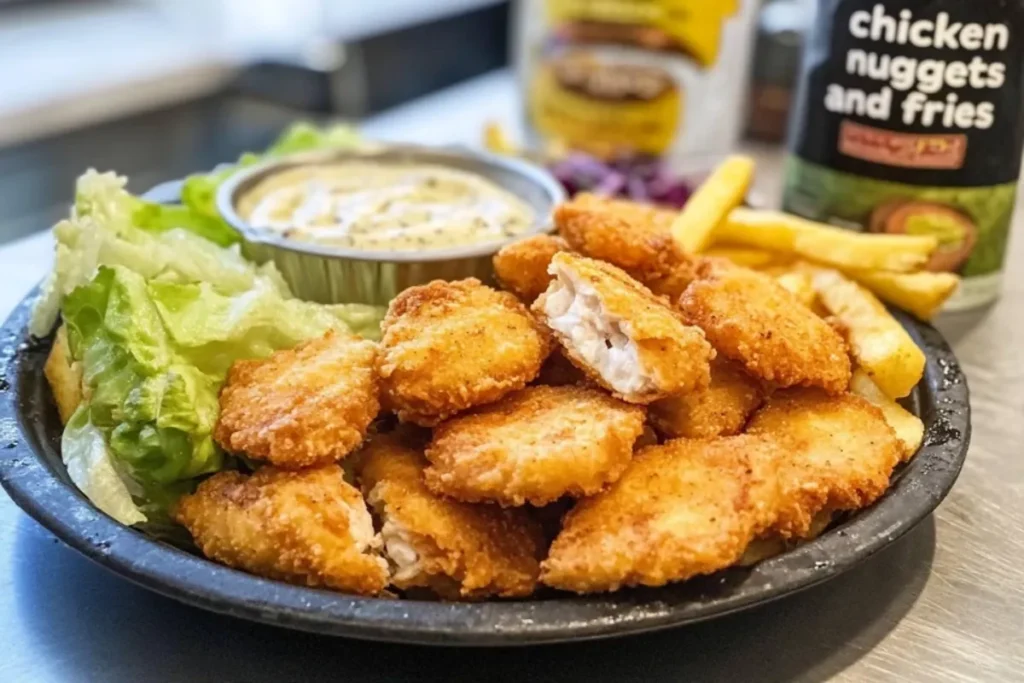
652, 78
908, 120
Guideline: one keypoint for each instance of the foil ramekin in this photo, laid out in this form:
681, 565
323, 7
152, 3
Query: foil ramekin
330, 274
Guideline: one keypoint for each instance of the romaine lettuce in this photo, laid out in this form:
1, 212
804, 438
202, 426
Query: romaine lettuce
154, 354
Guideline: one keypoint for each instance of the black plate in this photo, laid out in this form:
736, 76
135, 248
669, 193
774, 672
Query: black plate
32, 473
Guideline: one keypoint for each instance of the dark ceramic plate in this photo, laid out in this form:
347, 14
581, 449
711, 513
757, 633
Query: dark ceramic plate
32, 473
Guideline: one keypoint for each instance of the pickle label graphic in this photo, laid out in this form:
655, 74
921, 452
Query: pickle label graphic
910, 122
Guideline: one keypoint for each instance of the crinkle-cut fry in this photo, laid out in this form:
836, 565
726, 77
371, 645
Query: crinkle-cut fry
799, 284
921, 294
723, 191
908, 427
879, 344
747, 256
824, 243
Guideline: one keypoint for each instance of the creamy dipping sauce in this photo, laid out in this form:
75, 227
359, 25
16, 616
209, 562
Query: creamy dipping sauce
375, 206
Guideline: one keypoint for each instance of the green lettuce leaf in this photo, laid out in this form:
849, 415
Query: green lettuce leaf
91, 468
154, 355
102, 231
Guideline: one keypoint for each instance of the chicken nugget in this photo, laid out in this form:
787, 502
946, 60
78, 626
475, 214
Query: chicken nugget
615, 330
455, 549
751, 319
449, 346
838, 454
632, 236
522, 267
534, 446
302, 407
308, 528
721, 409
684, 508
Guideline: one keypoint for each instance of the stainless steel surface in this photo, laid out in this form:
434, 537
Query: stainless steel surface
340, 275
946, 603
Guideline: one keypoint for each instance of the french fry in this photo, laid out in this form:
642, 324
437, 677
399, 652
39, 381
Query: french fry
751, 258
878, 343
921, 294
723, 191
496, 140
760, 229
844, 249
825, 244
908, 427
800, 285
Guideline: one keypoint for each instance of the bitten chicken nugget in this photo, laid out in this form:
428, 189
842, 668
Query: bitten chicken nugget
449, 346
721, 409
522, 267
307, 527
301, 407
620, 334
838, 454
534, 446
750, 318
684, 508
632, 236
457, 550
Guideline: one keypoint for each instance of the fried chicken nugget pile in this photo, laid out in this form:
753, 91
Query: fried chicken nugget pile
838, 454
307, 527
621, 335
458, 550
684, 508
751, 319
721, 409
522, 267
450, 346
301, 407
634, 237
535, 446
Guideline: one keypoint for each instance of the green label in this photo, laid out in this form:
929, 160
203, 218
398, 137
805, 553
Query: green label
971, 223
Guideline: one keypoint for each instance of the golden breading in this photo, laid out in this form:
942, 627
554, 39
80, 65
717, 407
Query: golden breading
633, 236
308, 527
534, 446
749, 318
457, 550
449, 346
522, 267
64, 376
721, 409
302, 407
838, 454
615, 330
684, 508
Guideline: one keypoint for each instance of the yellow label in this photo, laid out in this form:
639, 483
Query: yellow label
695, 26
604, 127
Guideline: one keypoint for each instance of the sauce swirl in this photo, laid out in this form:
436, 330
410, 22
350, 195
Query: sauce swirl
389, 207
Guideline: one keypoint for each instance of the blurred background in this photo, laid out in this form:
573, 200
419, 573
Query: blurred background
156, 89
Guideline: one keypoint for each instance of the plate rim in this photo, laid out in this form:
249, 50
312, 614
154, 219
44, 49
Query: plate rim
63, 510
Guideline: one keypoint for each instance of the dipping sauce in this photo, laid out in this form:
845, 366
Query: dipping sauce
385, 207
